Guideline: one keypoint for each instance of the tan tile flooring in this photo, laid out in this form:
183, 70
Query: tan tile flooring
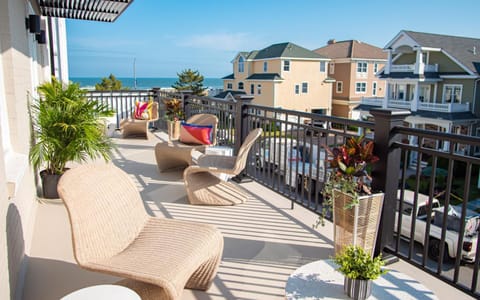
265, 241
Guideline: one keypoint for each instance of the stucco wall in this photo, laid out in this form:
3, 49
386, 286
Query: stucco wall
23, 65
319, 94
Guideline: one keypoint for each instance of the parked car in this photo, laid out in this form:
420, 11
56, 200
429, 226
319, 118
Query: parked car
297, 162
472, 222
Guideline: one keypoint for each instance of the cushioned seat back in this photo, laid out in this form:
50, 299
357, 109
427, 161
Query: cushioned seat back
206, 119
105, 209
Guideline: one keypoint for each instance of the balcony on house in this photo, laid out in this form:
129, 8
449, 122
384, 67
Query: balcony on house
411, 68
268, 237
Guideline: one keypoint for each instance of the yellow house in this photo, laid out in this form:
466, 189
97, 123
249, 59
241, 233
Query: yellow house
282, 76
354, 66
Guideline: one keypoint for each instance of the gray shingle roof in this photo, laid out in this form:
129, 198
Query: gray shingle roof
286, 50
465, 50
264, 76
229, 77
224, 94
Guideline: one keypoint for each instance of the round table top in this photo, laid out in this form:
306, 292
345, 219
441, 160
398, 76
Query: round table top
321, 280
103, 292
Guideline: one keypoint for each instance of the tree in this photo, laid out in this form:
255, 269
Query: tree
109, 84
189, 80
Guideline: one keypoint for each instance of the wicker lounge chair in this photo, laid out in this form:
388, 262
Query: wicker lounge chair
205, 188
113, 234
175, 154
132, 127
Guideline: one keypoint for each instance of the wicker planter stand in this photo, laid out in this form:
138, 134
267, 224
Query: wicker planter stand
358, 225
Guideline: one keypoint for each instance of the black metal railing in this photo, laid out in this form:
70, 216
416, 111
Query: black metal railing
290, 159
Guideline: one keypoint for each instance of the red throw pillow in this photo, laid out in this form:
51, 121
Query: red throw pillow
196, 134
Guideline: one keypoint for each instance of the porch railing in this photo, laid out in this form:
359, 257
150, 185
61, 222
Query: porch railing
290, 159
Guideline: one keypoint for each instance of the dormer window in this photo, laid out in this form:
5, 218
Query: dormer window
241, 65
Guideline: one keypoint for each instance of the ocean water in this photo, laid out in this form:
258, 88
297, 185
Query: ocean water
144, 83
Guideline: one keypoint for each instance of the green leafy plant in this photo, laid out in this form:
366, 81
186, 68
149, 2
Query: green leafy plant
355, 263
174, 109
351, 164
67, 127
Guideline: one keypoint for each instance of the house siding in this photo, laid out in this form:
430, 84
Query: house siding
281, 92
23, 64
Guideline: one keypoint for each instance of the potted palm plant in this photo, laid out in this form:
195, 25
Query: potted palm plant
174, 115
356, 209
66, 127
359, 269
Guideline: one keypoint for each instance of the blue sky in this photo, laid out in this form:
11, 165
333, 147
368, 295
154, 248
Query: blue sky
168, 36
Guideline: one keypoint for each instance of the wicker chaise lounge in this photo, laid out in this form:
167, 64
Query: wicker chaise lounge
113, 234
132, 127
205, 188
175, 154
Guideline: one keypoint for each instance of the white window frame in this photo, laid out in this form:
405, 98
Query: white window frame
265, 66
339, 87
375, 68
252, 88
362, 69
323, 67
286, 65
304, 87
360, 84
331, 68
229, 86
259, 89
374, 88
453, 86
241, 65
297, 89
241, 85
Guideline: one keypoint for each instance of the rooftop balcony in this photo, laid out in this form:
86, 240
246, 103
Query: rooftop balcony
265, 240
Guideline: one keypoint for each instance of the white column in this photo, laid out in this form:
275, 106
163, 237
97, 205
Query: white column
389, 62
414, 103
385, 97
419, 65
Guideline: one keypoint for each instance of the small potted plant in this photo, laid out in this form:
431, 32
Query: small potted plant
356, 209
174, 115
359, 269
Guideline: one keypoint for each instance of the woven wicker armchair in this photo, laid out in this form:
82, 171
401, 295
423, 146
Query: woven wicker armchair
132, 127
203, 185
175, 154
113, 234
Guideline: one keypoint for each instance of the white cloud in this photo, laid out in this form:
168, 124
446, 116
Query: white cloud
220, 41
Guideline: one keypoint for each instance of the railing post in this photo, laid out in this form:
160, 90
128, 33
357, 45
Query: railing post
386, 171
241, 125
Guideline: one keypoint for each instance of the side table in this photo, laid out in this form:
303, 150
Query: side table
103, 292
220, 150
321, 280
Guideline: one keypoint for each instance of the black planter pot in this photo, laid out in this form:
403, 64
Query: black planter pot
49, 184
357, 289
